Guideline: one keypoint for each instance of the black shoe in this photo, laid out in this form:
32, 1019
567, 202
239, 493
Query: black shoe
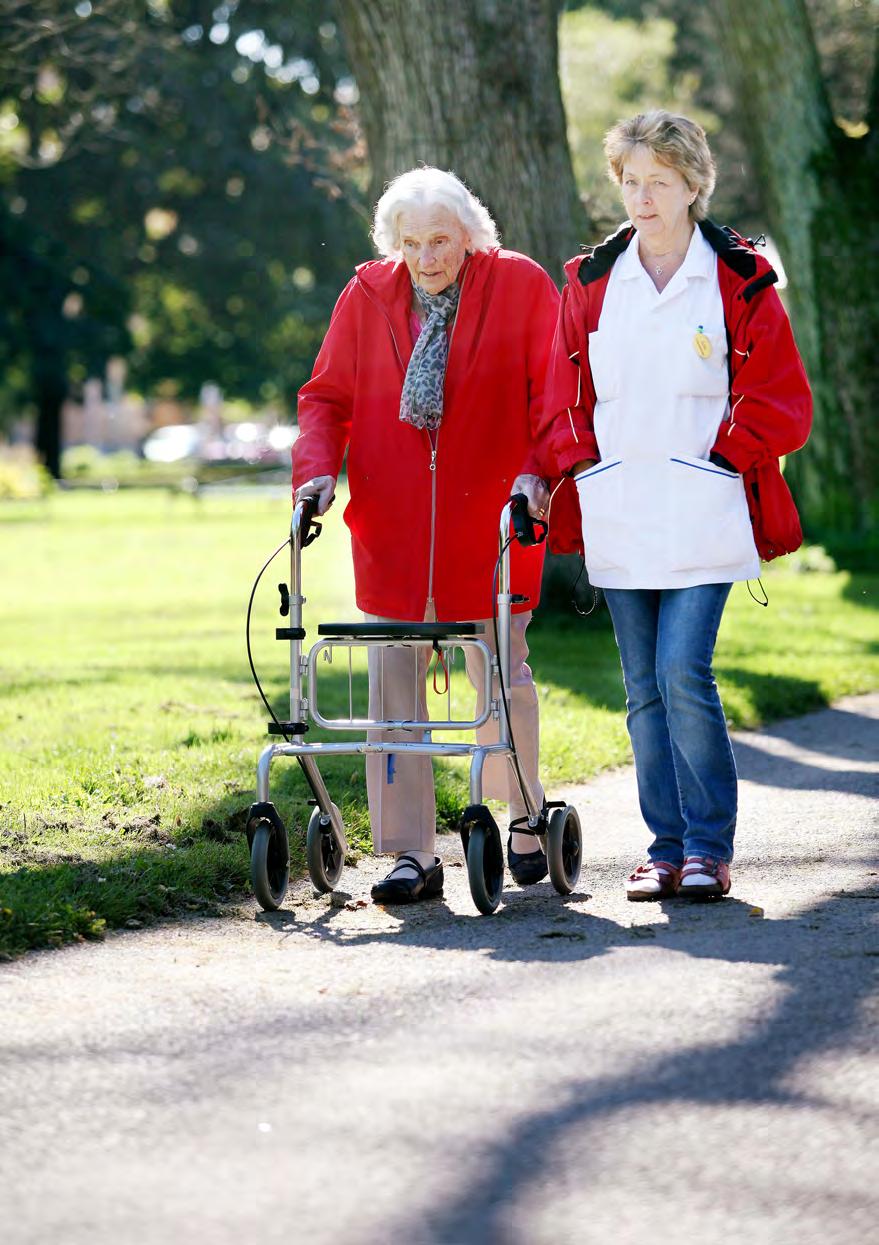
526, 867
427, 885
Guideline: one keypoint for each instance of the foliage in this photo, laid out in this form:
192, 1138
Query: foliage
178, 186
22, 478
609, 67
131, 729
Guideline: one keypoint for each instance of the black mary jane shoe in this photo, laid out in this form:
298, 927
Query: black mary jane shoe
526, 867
428, 883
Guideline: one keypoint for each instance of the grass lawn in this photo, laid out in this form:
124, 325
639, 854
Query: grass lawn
130, 727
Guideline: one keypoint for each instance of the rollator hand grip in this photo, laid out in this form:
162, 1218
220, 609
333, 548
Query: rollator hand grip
527, 531
308, 529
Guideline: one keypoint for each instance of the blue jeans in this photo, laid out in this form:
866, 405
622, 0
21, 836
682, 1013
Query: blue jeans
687, 784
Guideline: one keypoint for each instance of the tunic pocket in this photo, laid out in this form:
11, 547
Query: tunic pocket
605, 528
710, 524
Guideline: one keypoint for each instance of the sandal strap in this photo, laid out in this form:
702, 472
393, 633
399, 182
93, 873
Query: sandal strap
409, 862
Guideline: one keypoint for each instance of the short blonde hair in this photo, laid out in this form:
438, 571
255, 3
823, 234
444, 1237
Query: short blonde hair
432, 186
673, 140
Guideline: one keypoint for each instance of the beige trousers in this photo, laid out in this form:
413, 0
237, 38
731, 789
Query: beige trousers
402, 807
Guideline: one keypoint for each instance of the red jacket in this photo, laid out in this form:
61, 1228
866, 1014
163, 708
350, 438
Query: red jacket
418, 533
770, 399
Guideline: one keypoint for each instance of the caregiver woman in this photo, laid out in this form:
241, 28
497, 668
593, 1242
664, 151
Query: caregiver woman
431, 377
675, 382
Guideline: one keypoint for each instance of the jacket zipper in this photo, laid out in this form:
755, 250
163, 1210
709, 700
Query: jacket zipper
434, 444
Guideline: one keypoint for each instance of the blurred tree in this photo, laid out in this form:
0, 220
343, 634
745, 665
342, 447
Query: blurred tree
611, 66
180, 181
818, 169
473, 87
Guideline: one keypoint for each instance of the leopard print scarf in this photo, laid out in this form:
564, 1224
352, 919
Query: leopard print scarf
421, 402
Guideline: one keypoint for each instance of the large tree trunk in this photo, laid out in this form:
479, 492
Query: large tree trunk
819, 188
472, 86
49, 389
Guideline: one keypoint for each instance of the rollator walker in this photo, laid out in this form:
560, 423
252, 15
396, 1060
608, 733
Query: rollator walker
555, 822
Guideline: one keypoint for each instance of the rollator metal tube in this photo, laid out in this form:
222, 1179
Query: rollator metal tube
504, 623
296, 602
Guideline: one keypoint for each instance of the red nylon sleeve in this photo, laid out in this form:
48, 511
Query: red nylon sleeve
326, 401
566, 432
770, 398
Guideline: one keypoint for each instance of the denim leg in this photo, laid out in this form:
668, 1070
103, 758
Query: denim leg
703, 757
635, 614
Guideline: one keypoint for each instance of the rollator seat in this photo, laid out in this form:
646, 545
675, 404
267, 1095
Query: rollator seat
398, 631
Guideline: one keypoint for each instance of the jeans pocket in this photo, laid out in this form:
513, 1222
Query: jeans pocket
605, 535
710, 524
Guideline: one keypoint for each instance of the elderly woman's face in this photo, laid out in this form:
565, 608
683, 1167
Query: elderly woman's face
434, 244
656, 196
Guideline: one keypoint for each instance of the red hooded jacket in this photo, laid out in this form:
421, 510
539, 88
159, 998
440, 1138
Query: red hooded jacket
770, 399
423, 529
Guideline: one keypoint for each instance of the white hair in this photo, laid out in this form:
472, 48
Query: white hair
429, 186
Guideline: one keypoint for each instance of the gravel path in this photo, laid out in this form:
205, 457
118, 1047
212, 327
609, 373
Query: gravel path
581, 1070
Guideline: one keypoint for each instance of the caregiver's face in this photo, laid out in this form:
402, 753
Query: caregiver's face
656, 196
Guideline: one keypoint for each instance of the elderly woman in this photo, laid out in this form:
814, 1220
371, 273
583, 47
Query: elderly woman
431, 377
674, 387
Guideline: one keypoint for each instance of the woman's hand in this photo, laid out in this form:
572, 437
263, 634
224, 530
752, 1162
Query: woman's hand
321, 487
583, 465
536, 491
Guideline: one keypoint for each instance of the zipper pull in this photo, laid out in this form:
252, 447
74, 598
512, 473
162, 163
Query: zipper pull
433, 459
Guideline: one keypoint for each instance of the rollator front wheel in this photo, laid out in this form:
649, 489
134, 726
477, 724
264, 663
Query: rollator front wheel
324, 854
269, 864
564, 848
485, 858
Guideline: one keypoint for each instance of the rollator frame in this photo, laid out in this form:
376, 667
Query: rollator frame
326, 843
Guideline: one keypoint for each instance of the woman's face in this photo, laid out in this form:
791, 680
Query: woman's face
434, 244
656, 196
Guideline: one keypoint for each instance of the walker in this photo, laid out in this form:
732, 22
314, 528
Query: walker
326, 845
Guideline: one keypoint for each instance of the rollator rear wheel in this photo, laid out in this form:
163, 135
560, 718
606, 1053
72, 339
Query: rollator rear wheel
485, 860
325, 857
269, 865
564, 848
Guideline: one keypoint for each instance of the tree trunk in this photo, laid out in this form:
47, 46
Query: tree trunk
473, 87
819, 195
50, 390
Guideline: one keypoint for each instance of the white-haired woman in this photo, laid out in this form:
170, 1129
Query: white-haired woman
431, 378
675, 387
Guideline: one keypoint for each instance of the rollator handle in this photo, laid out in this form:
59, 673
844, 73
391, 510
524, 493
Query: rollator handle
309, 530
527, 531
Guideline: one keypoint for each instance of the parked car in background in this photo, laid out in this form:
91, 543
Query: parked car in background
248, 442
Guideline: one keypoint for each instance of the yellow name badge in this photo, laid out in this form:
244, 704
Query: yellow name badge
702, 344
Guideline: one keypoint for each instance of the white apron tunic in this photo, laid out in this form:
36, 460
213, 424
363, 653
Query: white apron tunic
656, 513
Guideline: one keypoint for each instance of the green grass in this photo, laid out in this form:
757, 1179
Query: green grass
130, 727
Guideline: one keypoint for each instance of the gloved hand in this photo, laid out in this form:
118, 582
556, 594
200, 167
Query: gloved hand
537, 493
321, 487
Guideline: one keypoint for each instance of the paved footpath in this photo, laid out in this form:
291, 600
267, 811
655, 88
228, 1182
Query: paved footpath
583, 1070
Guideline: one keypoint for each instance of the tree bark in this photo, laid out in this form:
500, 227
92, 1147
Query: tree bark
50, 390
819, 191
472, 86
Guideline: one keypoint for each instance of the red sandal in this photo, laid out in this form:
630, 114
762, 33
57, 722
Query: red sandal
655, 880
703, 877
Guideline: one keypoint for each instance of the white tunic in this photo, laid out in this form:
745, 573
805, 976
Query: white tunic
656, 513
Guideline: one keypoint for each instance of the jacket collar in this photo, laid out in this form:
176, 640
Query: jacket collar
736, 252
386, 283
388, 279
699, 261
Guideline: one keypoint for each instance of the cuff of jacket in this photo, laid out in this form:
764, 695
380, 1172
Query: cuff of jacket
586, 447
740, 448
